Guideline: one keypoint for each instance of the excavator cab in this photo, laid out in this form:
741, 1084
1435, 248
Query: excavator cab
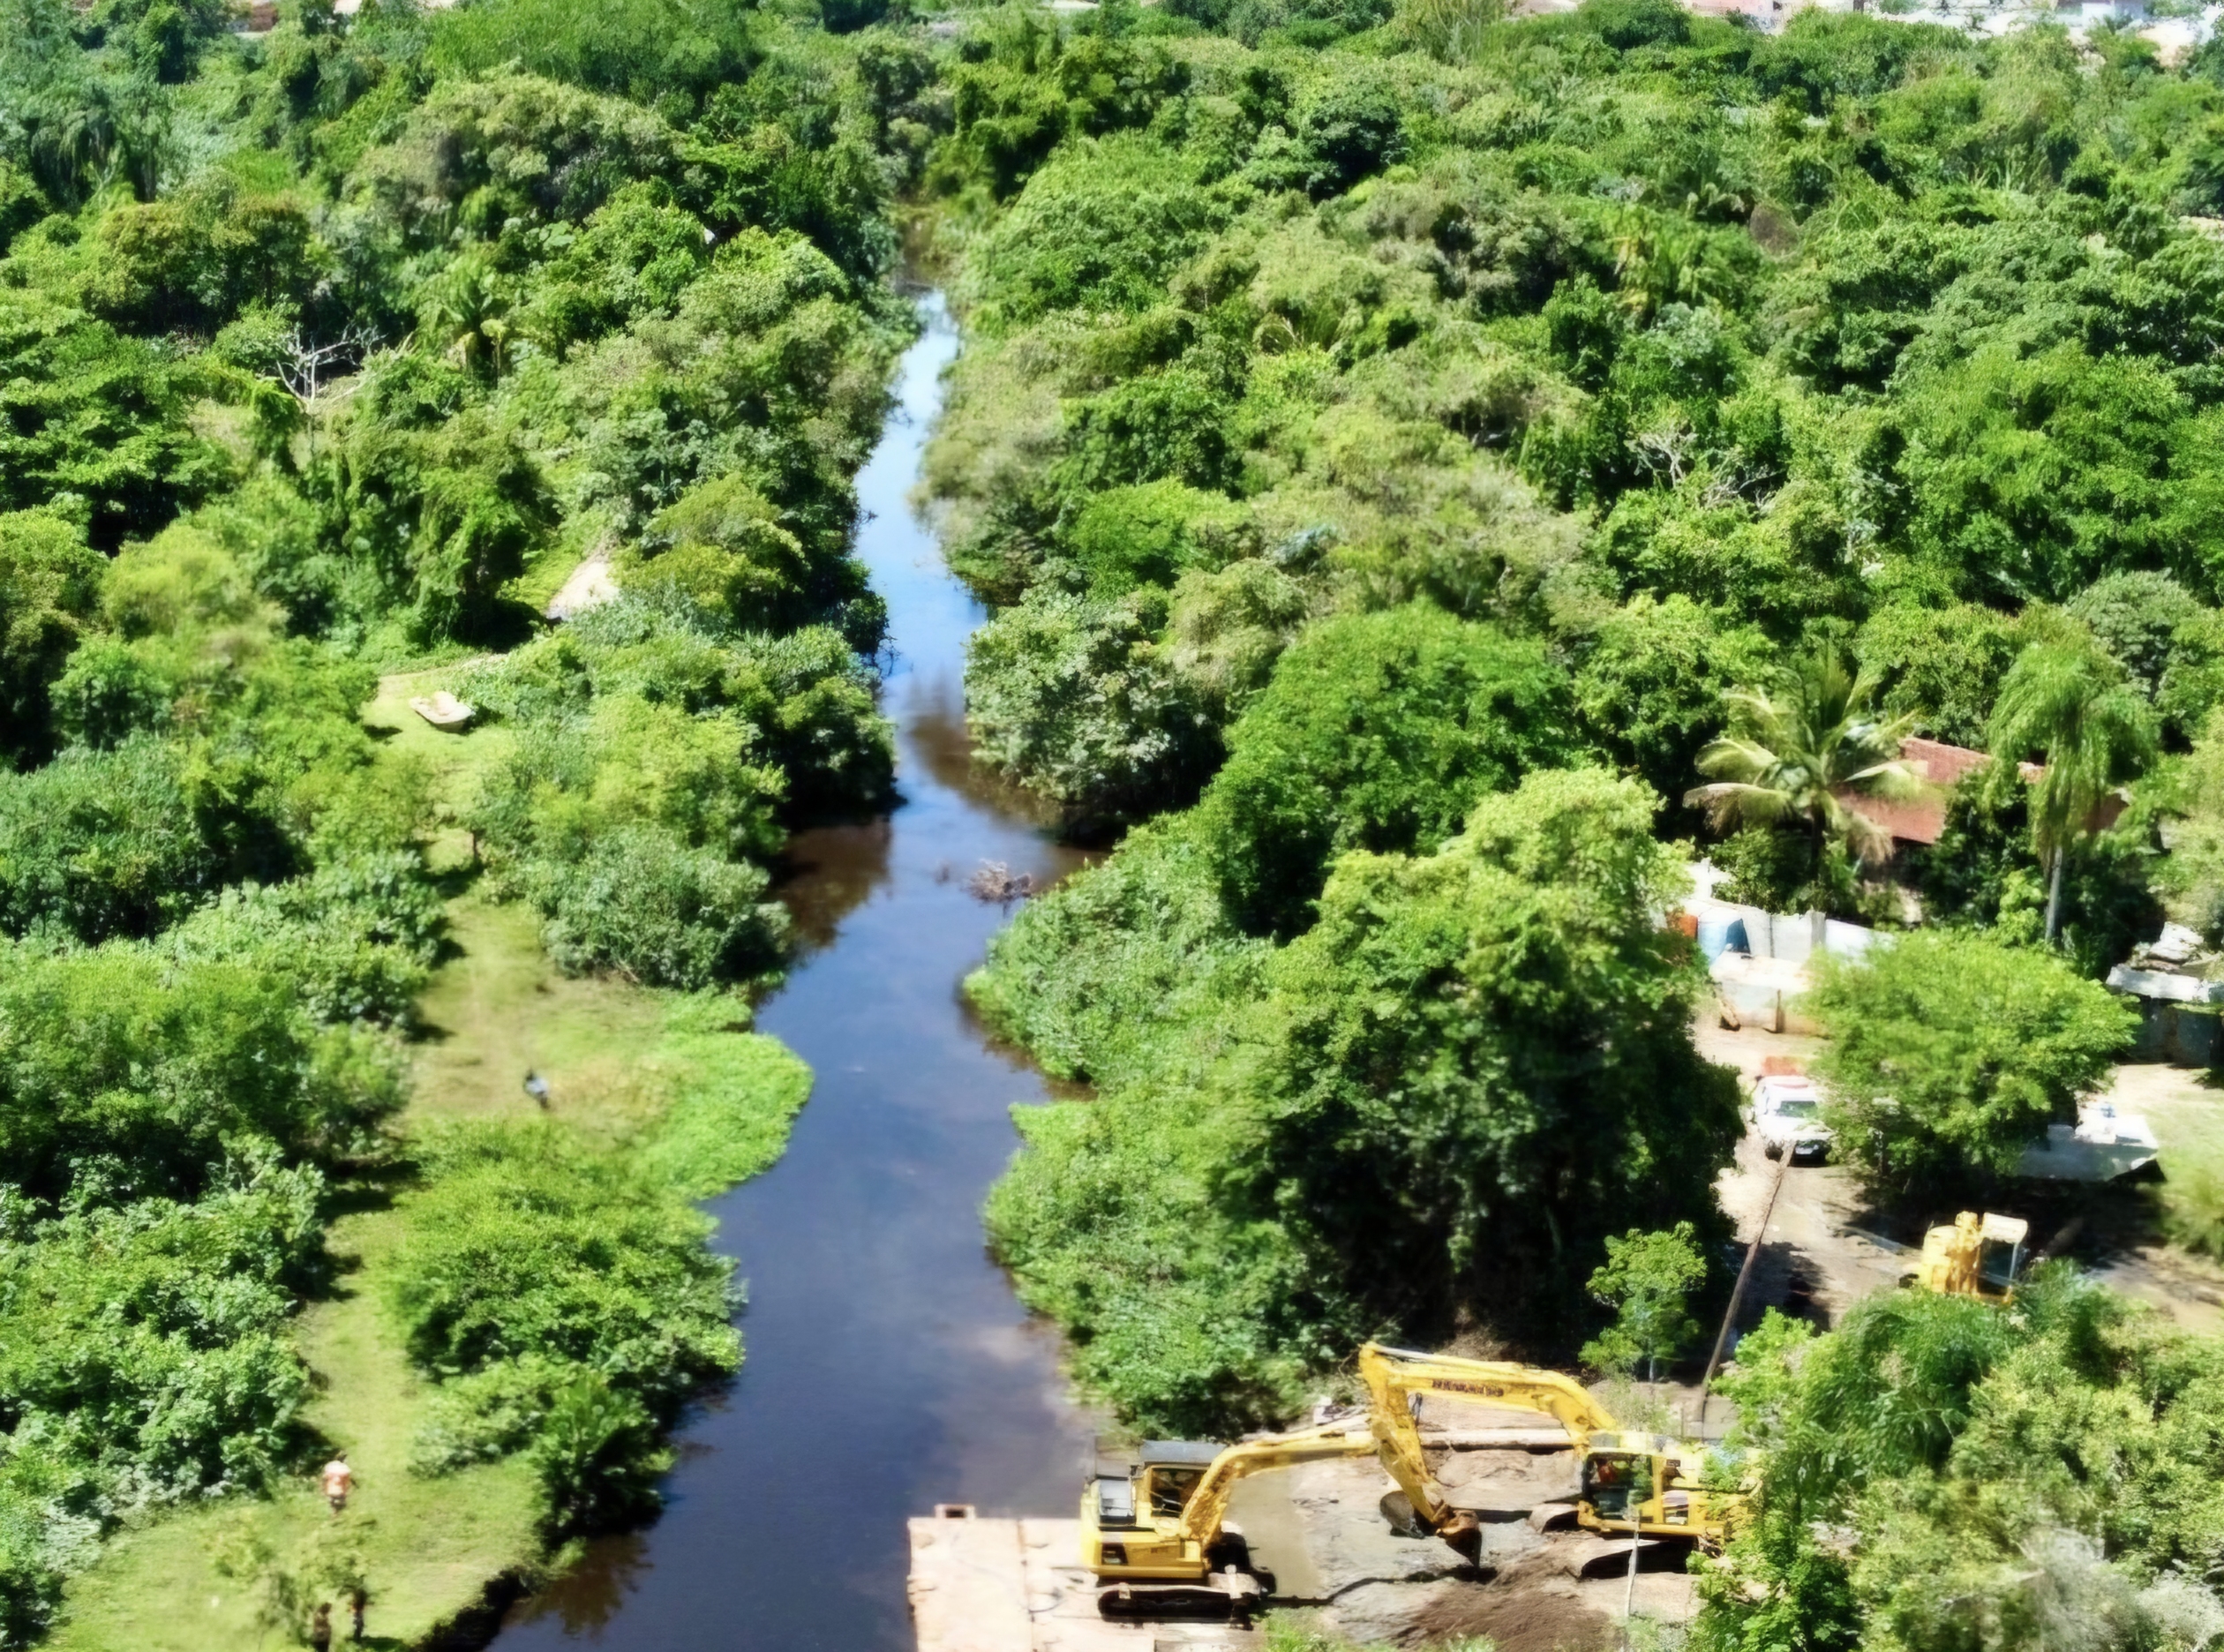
1619, 1484
1132, 1515
1150, 1552
1977, 1255
1655, 1487
1168, 1487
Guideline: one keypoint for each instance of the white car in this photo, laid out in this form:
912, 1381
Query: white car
1786, 1111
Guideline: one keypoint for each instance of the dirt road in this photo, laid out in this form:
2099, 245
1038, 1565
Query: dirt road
1821, 1244
1823, 1237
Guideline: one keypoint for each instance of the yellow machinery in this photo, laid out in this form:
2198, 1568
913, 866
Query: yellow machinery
1975, 1255
1156, 1538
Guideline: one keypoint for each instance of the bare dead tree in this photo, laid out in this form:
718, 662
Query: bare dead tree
307, 370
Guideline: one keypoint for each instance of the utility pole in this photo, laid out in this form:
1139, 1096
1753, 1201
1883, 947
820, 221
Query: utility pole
1738, 1291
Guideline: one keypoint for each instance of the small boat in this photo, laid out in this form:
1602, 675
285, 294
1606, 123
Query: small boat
443, 710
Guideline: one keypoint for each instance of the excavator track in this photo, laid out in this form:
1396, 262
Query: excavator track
1231, 1594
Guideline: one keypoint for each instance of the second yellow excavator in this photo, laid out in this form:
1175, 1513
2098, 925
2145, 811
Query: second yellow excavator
1157, 1539
1975, 1255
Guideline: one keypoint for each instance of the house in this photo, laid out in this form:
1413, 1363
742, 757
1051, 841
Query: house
1921, 820
2179, 1006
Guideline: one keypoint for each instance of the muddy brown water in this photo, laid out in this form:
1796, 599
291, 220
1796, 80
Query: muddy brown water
889, 1365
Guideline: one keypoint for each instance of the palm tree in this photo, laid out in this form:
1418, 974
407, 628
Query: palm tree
1803, 755
2095, 732
465, 310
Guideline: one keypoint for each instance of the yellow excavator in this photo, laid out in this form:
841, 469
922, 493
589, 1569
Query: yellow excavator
1157, 1539
1973, 1256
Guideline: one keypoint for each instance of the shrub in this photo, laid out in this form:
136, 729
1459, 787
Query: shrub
98, 844
643, 905
122, 1074
1378, 731
1071, 696
150, 1342
50, 584
567, 1305
358, 937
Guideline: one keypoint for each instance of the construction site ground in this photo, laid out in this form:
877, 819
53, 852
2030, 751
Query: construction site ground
1016, 1586
982, 1585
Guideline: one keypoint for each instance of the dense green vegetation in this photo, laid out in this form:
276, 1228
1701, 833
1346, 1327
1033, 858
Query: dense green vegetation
1408, 452
1429, 470
327, 351
1472, 1069
1937, 1473
1350, 433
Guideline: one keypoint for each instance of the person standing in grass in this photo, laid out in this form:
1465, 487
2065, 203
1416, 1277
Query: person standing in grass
339, 1479
321, 1628
358, 1597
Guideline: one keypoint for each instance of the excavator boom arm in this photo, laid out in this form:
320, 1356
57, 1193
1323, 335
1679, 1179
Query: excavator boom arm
1398, 1377
1394, 1375
1207, 1505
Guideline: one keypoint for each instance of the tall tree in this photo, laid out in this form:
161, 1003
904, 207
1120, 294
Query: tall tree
1805, 754
1950, 1052
1645, 1279
2072, 706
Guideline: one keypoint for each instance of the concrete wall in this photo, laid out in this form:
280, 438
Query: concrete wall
1724, 926
1768, 993
2175, 1033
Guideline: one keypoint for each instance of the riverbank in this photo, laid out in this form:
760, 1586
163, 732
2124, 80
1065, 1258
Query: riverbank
673, 1084
891, 1367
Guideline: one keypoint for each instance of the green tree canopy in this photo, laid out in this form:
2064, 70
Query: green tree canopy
2018, 1479
1376, 733
1646, 1279
1948, 1054
1483, 1056
49, 587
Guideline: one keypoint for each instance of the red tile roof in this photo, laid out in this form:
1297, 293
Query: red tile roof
1922, 820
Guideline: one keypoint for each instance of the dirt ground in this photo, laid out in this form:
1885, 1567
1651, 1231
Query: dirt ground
1826, 1249
1321, 1526
2186, 1108
1824, 1252
1528, 1593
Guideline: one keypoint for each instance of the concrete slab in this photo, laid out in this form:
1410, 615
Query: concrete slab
1062, 1611
1017, 1585
968, 1586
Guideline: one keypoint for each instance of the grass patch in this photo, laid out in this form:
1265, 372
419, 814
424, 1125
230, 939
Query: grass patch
428, 1546
455, 760
2186, 1113
676, 1081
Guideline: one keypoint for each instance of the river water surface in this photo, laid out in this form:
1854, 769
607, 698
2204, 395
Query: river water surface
889, 1366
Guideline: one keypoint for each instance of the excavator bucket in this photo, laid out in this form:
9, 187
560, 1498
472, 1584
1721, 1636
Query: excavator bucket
1462, 1533
1397, 1508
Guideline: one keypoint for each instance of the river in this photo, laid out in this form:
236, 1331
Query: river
889, 1365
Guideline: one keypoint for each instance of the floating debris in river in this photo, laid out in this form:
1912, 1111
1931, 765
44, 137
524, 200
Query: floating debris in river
998, 882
